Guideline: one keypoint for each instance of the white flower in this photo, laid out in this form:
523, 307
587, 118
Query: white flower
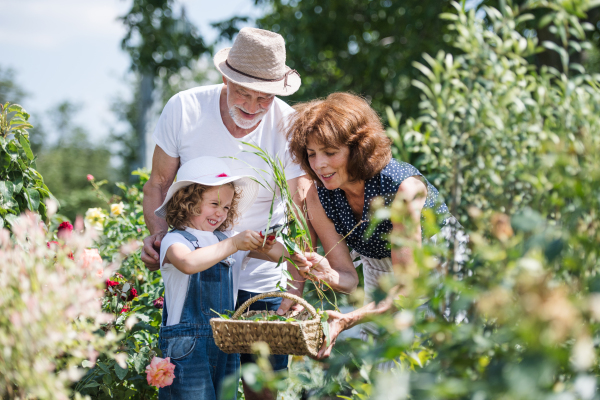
95, 217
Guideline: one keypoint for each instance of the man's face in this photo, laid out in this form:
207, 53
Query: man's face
247, 107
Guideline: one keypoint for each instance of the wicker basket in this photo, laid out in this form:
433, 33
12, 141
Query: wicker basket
303, 337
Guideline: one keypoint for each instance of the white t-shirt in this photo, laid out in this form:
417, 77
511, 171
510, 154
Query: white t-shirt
176, 282
190, 126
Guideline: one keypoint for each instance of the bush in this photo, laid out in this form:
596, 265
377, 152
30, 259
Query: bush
21, 186
514, 150
132, 296
50, 311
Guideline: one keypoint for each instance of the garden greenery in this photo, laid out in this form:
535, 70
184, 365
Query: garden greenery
21, 186
513, 148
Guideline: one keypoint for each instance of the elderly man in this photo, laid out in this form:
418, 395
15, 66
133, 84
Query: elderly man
214, 121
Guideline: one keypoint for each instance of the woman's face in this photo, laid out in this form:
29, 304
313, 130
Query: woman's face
329, 163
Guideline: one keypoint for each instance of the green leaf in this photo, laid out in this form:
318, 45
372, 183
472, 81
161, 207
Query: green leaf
325, 326
107, 379
25, 143
103, 367
33, 196
120, 372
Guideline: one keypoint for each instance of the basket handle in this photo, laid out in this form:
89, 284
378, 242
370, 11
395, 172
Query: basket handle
285, 295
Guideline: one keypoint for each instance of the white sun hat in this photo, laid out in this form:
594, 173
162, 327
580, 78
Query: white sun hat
211, 171
257, 61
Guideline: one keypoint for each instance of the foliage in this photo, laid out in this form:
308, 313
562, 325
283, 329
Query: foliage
365, 47
156, 39
21, 186
10, 91
130, 297
514, 151
65, 162
50, 309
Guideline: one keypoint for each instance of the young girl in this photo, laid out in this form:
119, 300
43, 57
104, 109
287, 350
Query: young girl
200, 262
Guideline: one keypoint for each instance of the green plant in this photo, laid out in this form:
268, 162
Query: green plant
49, 294
132, 296
21, 186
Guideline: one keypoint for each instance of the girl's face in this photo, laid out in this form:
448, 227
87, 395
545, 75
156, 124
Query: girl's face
329, 163
214, 208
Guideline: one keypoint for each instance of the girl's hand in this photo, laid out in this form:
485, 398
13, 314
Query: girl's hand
269, 243
247, 241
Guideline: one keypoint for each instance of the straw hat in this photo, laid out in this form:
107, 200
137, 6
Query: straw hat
211, 171
257, 61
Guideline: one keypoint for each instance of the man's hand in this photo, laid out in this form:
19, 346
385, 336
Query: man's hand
336, 326
151, 251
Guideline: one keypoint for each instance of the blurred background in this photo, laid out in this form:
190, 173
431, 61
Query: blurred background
95, 75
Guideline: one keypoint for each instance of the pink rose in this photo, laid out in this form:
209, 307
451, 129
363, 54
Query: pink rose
90, 177
89, 257
160, 372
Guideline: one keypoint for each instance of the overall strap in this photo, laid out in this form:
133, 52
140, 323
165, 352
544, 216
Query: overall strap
229, 261
190, 238
220, 235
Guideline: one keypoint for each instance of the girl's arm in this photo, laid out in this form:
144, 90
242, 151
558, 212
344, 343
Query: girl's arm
190, 262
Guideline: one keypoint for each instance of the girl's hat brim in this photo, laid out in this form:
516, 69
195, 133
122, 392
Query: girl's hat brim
249, 190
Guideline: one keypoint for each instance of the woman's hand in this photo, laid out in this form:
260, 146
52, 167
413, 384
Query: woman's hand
313, 266
247, 241
337, 324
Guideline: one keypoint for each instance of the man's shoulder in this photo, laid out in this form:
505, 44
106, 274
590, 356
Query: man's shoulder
282, 107
198, 93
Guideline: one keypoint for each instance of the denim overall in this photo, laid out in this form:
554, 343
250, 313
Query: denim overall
200, 366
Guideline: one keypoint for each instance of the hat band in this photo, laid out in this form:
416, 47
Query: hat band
284, 78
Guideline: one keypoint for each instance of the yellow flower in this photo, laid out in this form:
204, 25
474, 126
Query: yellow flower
95, 217
117, 209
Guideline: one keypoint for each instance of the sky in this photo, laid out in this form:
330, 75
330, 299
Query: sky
70, 50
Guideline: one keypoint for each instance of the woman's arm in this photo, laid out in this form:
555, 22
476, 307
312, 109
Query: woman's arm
409, 201
338, 271
190, 262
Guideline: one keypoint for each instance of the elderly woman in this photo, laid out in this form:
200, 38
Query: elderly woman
341, 144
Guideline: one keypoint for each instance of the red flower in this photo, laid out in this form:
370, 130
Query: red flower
124, 309
90, 177
132, 294
159, 303
110, 283
64, 230
53, 242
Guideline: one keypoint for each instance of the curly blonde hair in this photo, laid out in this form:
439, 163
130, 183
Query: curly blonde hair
186, 202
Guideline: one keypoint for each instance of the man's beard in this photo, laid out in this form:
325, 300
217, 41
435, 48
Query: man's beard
241, 121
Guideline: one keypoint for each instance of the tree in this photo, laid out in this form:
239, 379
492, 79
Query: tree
366, 47
10, 90
66, 163
160, 44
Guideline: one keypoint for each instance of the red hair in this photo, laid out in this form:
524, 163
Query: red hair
342, 119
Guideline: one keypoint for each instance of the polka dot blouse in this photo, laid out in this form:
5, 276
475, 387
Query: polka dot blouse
383, 184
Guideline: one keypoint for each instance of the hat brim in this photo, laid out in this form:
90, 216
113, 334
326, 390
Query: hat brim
277, 88
248, 193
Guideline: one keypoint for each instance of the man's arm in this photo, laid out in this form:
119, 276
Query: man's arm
164, 169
